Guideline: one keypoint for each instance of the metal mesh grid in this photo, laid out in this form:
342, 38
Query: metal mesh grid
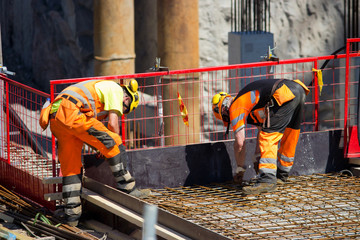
23, 157
321, 206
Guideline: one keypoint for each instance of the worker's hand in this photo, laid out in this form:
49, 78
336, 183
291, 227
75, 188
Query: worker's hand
256, 161
239, 174
99, 155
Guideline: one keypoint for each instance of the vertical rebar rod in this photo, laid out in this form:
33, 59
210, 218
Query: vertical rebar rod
242, 15
349, 18
345, 30
231, 15
250, 17
235, 8
269, 15
239, 15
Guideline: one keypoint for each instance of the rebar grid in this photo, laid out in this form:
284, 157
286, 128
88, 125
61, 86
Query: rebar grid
321, 206
23, 157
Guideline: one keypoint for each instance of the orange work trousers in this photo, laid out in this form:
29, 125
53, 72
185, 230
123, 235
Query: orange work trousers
272, 160
71, 139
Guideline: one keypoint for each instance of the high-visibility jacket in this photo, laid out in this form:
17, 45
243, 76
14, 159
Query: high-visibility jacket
285, 114
75, 115
84, 95
249, 105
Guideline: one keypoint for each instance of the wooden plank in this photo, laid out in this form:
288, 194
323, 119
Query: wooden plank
53, 196
52, 180
18, 235
127, 214
355, 161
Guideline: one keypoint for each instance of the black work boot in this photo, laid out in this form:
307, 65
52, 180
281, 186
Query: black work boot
281, 176
258, 188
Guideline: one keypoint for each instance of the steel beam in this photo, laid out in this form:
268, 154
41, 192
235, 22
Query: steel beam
97, 193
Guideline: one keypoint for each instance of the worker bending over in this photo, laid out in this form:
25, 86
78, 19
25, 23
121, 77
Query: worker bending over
74, 118
276, 107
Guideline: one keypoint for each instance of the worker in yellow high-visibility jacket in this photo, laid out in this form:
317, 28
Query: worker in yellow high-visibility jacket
74, 118
276, 107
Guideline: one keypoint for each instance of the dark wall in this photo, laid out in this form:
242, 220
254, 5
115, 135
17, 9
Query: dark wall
45, 40
214, 162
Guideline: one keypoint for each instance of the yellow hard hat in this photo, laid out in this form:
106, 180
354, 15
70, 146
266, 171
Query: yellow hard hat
131, 90
217, 104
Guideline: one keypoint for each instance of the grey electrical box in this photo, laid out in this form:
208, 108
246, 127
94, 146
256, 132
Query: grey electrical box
247, 47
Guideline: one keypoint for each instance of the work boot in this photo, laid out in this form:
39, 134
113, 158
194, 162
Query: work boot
72, 223
259, 188
282, 176
280, 182
140, 193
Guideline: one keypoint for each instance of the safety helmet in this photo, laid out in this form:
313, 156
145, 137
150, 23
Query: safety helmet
131, 90
217, 105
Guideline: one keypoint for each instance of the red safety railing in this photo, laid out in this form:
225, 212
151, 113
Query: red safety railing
25, 150
29, 154
352, 99
157, 122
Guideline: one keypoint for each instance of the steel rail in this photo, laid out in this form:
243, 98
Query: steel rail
165, 218
206, 69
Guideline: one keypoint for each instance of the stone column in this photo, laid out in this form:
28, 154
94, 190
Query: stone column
114, 35
178, 48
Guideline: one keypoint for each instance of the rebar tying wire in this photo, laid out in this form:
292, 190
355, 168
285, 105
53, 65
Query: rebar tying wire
320, 206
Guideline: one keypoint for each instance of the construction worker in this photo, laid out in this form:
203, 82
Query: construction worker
275, 106
74, 118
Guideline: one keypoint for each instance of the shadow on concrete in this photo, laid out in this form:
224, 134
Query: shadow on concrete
336, 161
208, 163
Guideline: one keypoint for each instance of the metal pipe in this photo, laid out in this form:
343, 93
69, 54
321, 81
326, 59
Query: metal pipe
150, 220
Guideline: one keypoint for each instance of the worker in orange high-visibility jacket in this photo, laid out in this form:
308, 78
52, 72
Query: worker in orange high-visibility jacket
74, 118
276, 107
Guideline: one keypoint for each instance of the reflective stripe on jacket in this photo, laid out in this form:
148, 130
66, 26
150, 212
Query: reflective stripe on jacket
251, 100
85, 93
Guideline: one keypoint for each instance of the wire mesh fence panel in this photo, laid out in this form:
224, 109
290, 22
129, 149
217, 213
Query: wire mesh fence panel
161, 120
26, 150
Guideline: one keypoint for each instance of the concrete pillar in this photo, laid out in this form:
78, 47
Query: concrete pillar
178, 48
178, 33
114, 48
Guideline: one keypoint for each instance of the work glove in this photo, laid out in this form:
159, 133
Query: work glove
256, 161
99, 155
239, 174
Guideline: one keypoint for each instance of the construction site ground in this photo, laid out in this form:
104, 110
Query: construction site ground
323, 206
320, 206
